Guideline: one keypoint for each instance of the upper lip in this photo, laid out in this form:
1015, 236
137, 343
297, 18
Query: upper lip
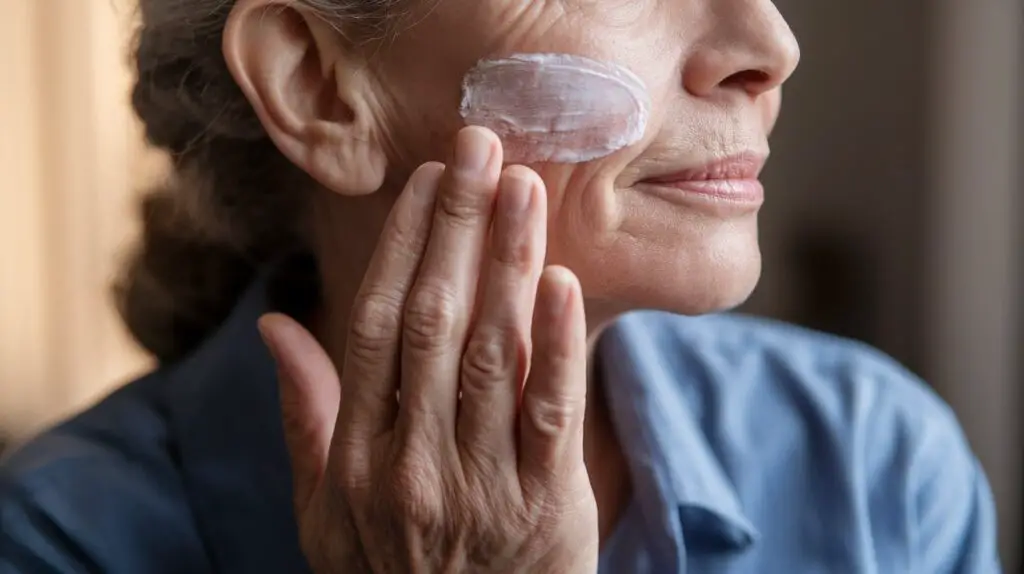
743, 166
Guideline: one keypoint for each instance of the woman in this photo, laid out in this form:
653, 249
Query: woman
432, 375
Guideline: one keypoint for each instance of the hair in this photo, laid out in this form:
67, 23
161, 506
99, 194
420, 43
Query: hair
232, 203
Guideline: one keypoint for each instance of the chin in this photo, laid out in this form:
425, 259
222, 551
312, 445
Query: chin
657, 256
690, 283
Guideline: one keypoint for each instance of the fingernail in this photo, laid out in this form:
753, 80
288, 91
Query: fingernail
561, 284
515, 195
472, 150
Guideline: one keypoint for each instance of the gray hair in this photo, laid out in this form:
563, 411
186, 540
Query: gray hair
230, 204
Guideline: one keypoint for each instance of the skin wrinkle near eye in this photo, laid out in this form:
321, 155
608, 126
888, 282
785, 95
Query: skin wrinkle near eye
556, 107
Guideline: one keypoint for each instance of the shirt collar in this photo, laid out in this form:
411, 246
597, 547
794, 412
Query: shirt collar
224, 415
685, 494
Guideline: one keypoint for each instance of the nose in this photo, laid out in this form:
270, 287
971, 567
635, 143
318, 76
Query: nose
749, 48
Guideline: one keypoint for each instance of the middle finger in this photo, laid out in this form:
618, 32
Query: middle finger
438, 310
497, 352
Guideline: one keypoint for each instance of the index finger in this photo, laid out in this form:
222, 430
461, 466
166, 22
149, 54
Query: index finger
369, 379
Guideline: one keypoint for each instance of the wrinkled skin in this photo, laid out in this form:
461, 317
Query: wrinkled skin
435, 483
491, 483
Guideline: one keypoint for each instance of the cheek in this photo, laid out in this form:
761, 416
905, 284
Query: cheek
556, 107
771, 104
685, 265
583, 208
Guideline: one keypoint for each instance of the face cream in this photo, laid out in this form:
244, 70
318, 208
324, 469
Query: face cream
556, 107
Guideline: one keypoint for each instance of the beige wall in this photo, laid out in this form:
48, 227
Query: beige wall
23, 309
69, 162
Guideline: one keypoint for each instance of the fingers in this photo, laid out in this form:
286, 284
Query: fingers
555, 396
370, 376
309, 394
438, 309
495, 359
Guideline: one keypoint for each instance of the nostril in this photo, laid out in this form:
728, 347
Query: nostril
747, 79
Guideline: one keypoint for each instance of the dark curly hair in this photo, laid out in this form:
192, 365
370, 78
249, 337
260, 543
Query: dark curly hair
233, 202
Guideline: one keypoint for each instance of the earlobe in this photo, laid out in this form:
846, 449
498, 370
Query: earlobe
308, 91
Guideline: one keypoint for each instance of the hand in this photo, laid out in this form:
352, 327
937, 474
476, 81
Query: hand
493, 481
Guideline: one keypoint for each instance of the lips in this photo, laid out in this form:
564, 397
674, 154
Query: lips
731, 179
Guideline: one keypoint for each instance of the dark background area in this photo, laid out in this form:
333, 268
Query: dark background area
892, 215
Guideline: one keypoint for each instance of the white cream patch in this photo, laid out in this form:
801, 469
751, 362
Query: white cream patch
556, 107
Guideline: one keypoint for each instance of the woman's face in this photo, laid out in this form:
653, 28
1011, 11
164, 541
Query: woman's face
713, 69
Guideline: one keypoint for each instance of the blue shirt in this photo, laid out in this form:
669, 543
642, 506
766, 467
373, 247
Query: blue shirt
753, 446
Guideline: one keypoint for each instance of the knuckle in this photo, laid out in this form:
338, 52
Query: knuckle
558, 358
415, 494
409, 231
354, 472
375, 324
552, 416
431, 316
515, 255
491, 355
463, 203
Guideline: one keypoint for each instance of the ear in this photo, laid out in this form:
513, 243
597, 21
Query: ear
309, 90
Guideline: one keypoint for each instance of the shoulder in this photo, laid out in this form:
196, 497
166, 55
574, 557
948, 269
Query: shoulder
99, 492
785, 402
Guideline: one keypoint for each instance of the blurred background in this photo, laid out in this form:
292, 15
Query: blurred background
894, 212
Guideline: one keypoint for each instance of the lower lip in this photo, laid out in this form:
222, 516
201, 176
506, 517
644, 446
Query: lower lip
746, 192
